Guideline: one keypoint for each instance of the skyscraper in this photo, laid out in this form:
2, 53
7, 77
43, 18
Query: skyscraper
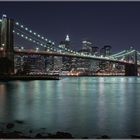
106, 50
87, 46
65, 45
95, 50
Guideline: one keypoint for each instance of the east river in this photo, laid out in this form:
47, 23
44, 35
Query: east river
82, 106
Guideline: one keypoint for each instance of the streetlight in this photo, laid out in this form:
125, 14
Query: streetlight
37, 49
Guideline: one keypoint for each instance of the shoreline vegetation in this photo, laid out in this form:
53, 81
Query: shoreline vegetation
8, 132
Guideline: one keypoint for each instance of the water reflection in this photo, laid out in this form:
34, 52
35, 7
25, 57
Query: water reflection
84, 106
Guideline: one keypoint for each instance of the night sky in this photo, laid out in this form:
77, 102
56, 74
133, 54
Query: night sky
104, 23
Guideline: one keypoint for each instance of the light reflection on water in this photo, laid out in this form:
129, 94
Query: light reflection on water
85, 106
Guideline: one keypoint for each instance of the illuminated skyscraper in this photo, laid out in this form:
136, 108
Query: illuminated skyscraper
106, 50
87, 46
64, 46
95, 50
67, 38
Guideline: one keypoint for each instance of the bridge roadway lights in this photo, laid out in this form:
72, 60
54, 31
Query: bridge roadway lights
131, 70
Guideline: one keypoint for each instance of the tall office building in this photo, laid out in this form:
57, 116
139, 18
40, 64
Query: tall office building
87, 46
95, 50
67, 42
66, 61
84, 64
106, 50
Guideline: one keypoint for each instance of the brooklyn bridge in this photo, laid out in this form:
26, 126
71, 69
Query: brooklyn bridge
44, 48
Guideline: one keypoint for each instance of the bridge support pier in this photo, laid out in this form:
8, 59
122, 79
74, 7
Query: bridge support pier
6, 46
131, 70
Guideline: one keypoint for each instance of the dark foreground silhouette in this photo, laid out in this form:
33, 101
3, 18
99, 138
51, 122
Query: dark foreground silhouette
57, 135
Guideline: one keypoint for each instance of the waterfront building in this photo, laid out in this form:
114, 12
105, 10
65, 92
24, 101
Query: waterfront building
35, 64
18, 63
49, 63
57, 64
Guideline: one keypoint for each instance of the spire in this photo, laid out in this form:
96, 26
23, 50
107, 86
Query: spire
67, 38
4, 16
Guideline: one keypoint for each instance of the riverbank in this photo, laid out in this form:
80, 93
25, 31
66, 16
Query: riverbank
8, 131
57, 135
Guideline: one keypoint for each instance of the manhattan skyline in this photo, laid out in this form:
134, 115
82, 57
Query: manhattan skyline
103, 23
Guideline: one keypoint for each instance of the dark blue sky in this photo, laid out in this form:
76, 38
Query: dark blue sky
113, 23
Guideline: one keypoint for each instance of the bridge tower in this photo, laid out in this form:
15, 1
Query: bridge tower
6, 46
131, 69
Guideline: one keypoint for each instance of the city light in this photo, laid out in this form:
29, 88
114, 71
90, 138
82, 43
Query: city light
17, 23
67, 51
29, 39
3, 44
37, 49
1, 48
34, 33
4, 15
38, 35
